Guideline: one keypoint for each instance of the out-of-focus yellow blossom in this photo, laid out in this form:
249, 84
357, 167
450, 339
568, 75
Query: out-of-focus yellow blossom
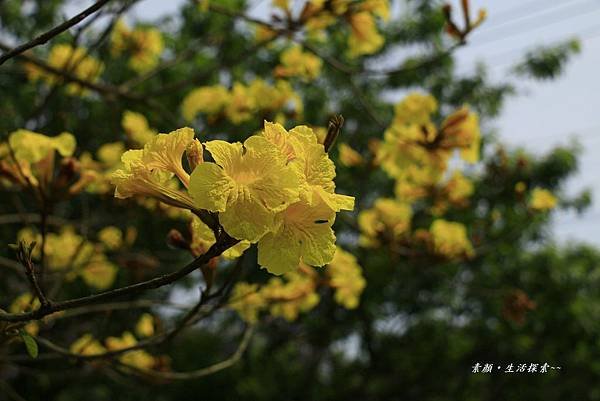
247, 301
415, 108
137, 128
145, 46
365, 38
111, 237
73, 60
542, 200
450, 239
264, 33
110, 153
33, 147
346, 278
349, 157
26, 302
63, 250
87, 345
139, 359
248, 184
520, 187
206, 99
145, 325
288, 298
99, 272
455, 192
387, 216
203, 238
148, 171
461, 130
241, 104
296, 63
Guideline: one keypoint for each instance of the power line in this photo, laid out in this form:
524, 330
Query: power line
520, 12
591, 7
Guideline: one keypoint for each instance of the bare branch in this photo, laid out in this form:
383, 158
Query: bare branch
225, 242
45, 37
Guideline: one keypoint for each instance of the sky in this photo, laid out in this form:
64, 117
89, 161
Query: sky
543, 114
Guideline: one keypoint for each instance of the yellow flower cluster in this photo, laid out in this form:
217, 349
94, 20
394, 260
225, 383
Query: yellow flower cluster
145, 46
450, 239
140, 359
77, 257
296, 63
28, 158
74, 60
242, 102
389, 218
361, 16
542, 200
296, 291
276, 189
416, 153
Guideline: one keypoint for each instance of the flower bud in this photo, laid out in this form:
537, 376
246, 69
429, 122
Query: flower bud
194, 153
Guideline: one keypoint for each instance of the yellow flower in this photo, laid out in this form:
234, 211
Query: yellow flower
349, 157
247, 301
289, 295
415, 108
241, 104
387, 215
135, 178
303, 232
364, 39
381, 8
296, 63
99, 273
520, 187
247, 185
145, 325
74, 60
203, 238
144, 44
26, 302
450, 239
206, 99
87, 345
461, 130
138, 358
33, 147
165, 151
110, 153
346, 278
312, 164
542, 200
111, 237
136, 127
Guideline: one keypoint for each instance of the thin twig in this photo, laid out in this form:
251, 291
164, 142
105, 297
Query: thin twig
215, 250
45, 37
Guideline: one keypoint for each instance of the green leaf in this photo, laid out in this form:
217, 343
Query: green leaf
30, 344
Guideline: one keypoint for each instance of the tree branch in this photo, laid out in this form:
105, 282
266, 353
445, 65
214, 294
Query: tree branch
224, 243
45, 37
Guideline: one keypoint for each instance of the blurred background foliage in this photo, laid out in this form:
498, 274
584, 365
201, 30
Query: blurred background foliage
422, 323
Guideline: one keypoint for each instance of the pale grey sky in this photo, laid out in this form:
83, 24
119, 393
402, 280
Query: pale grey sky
544, 114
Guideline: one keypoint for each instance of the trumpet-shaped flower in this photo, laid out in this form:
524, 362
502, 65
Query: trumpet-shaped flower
303, 232
136, 127
206, 99
247, 185
312, 164
32, 147
203, 238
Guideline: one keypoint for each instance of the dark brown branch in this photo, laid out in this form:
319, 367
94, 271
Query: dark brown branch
225, 242
24, 257
45, 37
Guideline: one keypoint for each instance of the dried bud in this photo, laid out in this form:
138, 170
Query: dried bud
177, 240
516, 306
194, 153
